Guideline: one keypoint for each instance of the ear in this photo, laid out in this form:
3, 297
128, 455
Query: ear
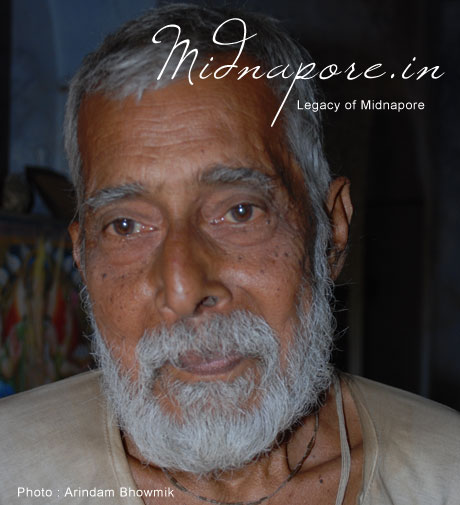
74, 232
340, 210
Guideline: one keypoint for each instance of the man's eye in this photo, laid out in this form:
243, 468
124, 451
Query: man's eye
124, 226
240, 213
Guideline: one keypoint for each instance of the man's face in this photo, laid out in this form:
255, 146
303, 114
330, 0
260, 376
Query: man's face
194, 263
188, 216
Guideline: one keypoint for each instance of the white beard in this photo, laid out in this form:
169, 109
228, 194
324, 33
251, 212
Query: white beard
216, 430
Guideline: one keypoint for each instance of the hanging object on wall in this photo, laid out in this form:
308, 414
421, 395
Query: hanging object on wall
41, 322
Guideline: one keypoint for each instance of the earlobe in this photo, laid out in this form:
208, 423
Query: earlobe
340, 211
74, 232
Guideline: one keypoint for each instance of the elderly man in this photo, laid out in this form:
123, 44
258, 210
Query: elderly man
208, 238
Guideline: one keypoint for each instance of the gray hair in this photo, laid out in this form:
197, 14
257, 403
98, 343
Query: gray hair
127, 63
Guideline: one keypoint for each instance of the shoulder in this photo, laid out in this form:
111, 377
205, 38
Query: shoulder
393, 401
54, 391
39, 411
53, 434
400, 410
411, 444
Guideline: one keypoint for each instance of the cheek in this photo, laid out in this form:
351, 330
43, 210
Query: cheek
118, 306
269, 280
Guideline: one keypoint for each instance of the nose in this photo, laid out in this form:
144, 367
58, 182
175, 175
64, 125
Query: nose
185, 276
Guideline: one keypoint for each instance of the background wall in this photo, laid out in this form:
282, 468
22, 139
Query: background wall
400, 292
49, 40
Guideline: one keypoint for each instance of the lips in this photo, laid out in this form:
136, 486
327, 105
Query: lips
214, 364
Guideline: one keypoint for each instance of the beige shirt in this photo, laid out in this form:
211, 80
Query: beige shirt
58, 444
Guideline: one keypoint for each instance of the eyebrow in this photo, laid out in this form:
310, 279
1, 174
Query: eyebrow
221, 174
107, 196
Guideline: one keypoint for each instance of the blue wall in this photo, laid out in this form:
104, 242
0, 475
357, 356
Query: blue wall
49, 39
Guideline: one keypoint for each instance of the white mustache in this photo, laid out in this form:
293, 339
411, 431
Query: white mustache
238, 333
